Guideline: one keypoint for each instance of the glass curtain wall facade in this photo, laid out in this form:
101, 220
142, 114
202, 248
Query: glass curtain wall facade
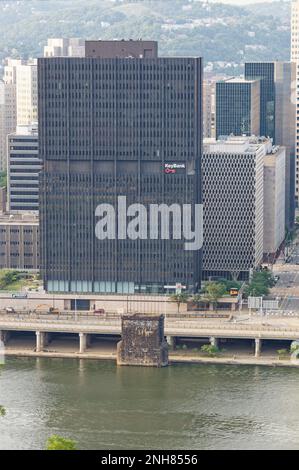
237, 107
265, 72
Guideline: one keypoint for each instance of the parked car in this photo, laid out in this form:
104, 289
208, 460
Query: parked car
99, 311
54, 310
10, 310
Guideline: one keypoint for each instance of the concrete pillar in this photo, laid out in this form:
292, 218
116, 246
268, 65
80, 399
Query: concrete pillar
83, 342
88, 341
38, 347
171, 341
4, 336
214, 341
42, 340
45, 339
258, 346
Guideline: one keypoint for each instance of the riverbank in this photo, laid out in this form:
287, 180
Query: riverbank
173, 358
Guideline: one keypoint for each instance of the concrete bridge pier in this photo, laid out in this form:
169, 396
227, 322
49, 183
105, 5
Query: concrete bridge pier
258, 347
214, 341
4, 336
42, 340
45, 339
171, 341
84, 342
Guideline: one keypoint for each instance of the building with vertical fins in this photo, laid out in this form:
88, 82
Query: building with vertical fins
110, 124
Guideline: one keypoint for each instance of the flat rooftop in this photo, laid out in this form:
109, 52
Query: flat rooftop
19, 219
239, 80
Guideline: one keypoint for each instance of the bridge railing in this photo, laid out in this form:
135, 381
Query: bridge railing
175, 325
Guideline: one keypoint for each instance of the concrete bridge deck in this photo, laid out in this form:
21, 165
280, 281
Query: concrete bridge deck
199, 328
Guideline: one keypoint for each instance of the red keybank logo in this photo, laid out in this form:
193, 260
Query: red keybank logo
173, 167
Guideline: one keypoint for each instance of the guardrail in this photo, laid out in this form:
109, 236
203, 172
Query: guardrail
85, 315
175, 325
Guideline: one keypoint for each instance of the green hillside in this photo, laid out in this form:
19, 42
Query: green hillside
218, 32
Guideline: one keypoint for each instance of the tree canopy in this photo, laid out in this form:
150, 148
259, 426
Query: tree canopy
56, 442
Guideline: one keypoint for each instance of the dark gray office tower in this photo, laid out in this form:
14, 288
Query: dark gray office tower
119, 122
277, 116
237, 107
264, 71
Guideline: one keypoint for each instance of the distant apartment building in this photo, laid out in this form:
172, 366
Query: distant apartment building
19, 242
237, 107
233, 200
23, 168
65, 47
274, 201
26, 92
277, 116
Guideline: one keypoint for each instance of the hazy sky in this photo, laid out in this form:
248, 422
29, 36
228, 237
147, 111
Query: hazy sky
242, 2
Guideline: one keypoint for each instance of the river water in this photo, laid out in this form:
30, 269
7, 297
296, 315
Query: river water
101, 406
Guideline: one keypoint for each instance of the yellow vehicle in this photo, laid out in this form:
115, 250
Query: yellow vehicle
44, 308
54, 310
233, 292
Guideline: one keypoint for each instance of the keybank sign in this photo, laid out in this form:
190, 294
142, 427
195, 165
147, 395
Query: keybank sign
151, 222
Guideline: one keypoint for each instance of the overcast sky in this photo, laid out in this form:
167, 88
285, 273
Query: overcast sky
242, 2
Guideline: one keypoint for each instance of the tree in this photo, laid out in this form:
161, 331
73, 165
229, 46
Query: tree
282, 353
8, 276
212, 292
180, 298
56, 442
3, 179
260, 284
210, 350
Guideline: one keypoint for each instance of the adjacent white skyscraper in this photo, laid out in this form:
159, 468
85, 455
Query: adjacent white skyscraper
8, 107
65, 47
26, 92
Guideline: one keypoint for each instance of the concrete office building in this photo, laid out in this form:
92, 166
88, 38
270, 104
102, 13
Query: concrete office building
7, 118
277, 116
18, 100
237, 107
129, 114
64, 47
19, 242
274, 202
23, 168
232, 191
